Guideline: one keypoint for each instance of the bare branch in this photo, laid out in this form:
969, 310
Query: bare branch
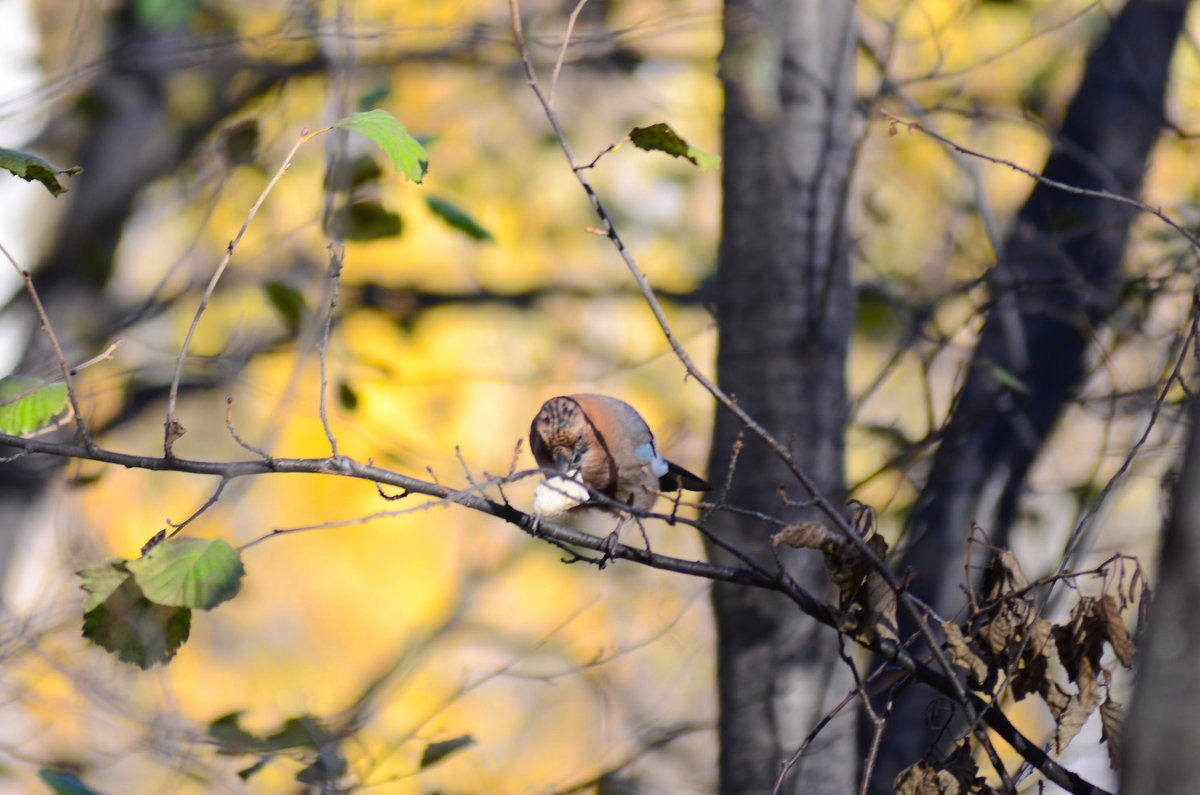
171, 427
58, 351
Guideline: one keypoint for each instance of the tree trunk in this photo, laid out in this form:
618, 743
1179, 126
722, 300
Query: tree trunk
1055, 282
785, 312
1161, 728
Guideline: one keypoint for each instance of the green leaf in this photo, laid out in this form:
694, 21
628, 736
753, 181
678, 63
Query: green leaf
165, 14
457, 218
661, 138
189, 572
327, 769
1006, 377
373, 97
239, 142
65, 783
365, 220
100, 580
31, 167
245, 773
345, 175
231, 739
27, 404
288, 302
436, 752
347, 396
382, 128
138, 631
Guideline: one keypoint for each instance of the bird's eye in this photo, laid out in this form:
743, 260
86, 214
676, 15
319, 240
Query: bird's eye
577, 453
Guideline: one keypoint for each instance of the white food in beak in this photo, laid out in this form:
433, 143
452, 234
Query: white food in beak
557, 495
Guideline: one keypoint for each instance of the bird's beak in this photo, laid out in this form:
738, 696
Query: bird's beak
562, 458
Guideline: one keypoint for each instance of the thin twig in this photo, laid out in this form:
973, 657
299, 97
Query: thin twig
337, 254
895, 653
171, 426
233, 432
562, 53
820, 502
1137, 204
58, 351
787, 765
211, 501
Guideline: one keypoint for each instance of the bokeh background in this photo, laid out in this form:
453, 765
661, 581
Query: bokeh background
436, 623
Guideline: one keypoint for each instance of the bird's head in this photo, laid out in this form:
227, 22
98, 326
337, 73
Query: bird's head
557, 435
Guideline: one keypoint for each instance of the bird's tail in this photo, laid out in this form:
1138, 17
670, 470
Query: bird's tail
679, 478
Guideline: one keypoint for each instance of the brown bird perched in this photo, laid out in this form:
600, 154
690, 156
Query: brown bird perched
600, 445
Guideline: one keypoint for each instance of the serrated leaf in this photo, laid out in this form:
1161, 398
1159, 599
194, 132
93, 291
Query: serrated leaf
288, 302
1114, 628
135, 629
923, 779
1112, 716
389, 135
806, 535
364, 220
661, 138
1079, 707
457, 218
65, 783
189, 572
32, 168
99, 580
436, 752
27, 404
962, 655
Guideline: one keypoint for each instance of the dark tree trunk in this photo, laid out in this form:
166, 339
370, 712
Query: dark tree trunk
1056, 281
785, 311
1162, 727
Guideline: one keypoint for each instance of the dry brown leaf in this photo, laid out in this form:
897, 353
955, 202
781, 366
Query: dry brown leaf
1040, 637
1112, 714
998, 633
1003, 575
1080, 641
1031, 672
1056, 698
1114, 628
964, 657
1144, 600
807, 535
1079, 707
881, 608
922, 779
174, 431
867, 604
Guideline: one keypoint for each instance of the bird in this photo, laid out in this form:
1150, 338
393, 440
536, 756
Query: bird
599, 445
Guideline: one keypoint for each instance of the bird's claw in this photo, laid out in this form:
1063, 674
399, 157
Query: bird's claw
608, 547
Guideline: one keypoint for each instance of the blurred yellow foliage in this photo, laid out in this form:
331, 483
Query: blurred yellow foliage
558, 671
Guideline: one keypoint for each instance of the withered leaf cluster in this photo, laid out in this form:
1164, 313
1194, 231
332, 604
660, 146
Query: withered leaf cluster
1004, 640
866, 602
958, 775
1005, 643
